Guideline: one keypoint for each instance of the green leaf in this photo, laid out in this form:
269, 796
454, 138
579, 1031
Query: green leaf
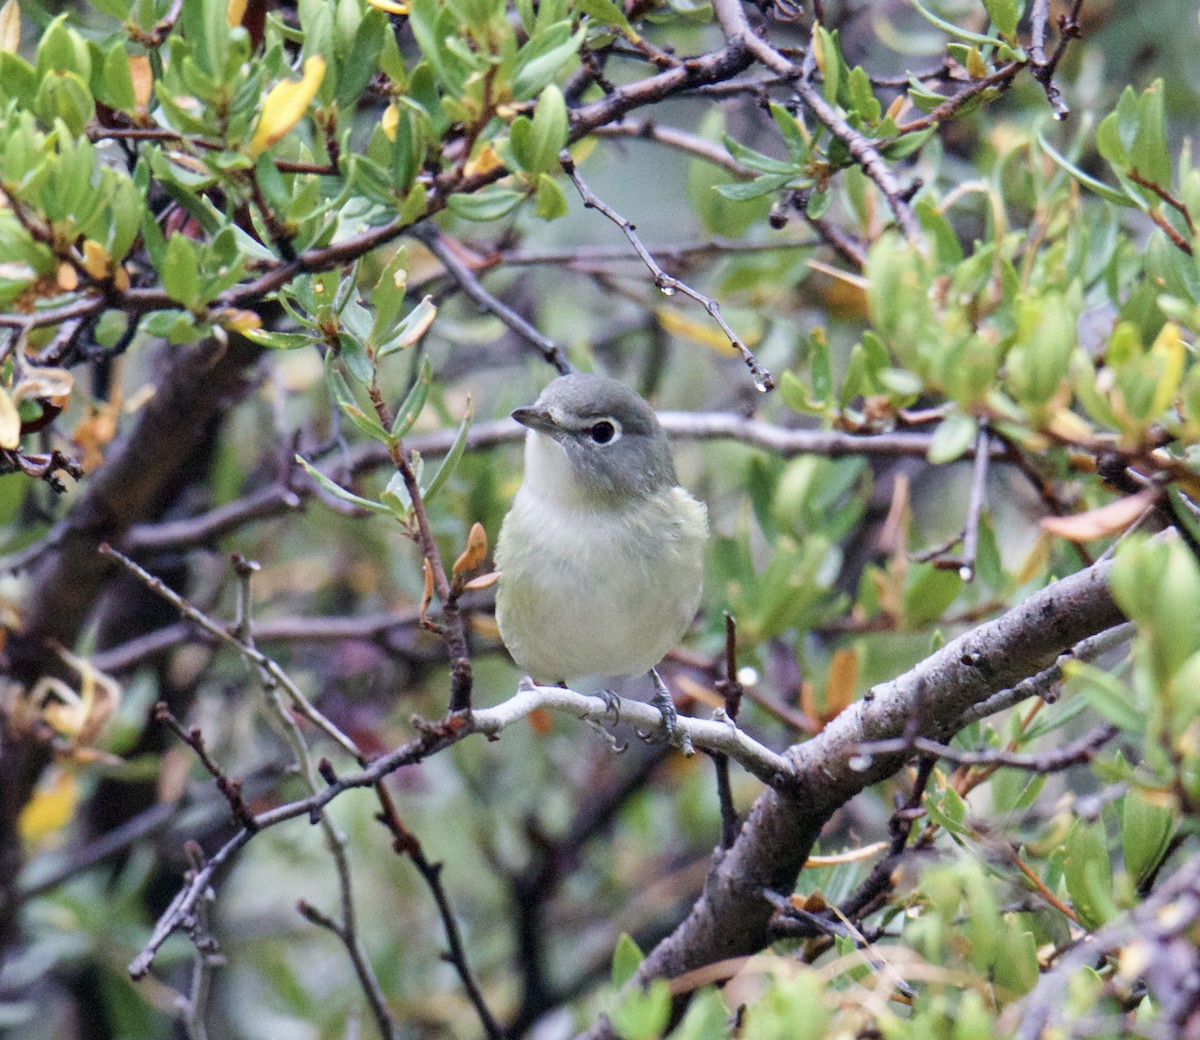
414, 401
410, 330
549, 129
754, 189
1107, 193
608, 13
1004, 14
65, 96
340, 492
1087, 871
547, 54
626, 958
1146, 831
366, 423
953, 30
278, 340
489, 204
453, 456
181, 271
643, 1014
929, 593
953, 436
1107, 695
116, 80
551, 203
396, 497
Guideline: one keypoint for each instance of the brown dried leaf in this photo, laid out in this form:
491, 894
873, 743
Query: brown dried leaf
843, 678
475, 552
1103, 522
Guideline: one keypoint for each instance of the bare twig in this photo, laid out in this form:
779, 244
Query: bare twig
681, 140
254, 657
405, 843
434, 241
1078, 752
231, 790
367, 979
663, 281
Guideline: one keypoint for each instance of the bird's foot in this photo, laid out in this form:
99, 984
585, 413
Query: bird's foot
613, 703
672, 732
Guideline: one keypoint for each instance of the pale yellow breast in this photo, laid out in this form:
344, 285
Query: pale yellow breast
585, 592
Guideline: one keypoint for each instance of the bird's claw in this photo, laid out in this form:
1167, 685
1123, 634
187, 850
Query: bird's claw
612, 703
671, 731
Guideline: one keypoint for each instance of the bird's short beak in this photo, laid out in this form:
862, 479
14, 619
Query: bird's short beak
537, 417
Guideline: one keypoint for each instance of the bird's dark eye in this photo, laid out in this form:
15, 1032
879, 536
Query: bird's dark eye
602, 432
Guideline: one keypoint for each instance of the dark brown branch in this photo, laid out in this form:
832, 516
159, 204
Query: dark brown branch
231, 790
405, 843
434, 241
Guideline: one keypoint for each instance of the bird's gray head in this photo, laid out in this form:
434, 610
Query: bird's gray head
608, 437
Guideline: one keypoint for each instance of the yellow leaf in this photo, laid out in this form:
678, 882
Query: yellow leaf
975, 64
143, 79
44, 383
841, 682
10, 26
95, 258
51, 807
1168, 346
484, 581
389, 6
389, 121
284, 104
677, 324
234, 12
238, 320
483, 162
67, 277
10, 422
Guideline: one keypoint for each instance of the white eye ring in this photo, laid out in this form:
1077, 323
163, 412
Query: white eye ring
603, 431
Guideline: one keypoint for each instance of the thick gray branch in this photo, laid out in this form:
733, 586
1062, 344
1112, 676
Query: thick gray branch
730, 918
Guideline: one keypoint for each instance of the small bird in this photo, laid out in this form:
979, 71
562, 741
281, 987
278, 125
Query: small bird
601, 556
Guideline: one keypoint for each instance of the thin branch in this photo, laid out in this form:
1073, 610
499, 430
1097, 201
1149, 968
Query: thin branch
665, 283
231, 790
1078, 752
1168, 912
1171, 200
719, 734
405, 843
367, 978
730, 688
252, 656
681, 140
453, 629
738, 31
947, 109
434, 240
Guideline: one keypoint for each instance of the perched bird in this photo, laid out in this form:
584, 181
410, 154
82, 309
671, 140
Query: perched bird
601, 555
